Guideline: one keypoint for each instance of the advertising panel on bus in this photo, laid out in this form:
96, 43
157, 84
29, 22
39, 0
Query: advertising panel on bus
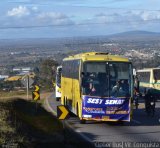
106, 108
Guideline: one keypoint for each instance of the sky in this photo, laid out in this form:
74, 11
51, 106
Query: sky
73, 18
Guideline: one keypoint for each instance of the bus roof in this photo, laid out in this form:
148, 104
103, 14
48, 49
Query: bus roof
146, 69
97, 56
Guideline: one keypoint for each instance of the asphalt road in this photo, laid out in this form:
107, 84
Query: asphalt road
141, 129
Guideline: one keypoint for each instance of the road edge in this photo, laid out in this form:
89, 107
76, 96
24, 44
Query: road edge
78, 132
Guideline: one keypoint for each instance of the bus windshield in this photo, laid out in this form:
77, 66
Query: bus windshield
58, 77
107, 79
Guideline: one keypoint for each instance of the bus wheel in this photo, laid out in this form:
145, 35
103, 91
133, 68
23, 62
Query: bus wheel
64, 101
120, 122
81, 120
57, 99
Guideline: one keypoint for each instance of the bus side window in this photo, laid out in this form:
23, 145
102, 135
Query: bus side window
144, 76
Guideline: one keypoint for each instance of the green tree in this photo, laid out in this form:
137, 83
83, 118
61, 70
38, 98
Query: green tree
47, 73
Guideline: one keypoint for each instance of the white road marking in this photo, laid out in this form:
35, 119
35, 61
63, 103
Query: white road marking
50, 108
84, 136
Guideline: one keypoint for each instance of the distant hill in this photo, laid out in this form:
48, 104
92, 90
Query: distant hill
131, 36
135, 35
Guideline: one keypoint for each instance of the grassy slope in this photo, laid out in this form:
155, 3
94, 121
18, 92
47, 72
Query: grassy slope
22, 122
25, 124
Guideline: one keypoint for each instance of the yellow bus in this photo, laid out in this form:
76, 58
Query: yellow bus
97, 86
149, 79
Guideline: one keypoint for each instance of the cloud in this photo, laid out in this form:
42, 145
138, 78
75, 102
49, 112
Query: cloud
33, 16
146, 15
19, 11
100, 15
34, 8
107, 18
53, 15
54, 18
134, 16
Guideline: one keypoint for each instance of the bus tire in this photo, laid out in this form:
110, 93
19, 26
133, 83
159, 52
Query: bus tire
82, 121
120, 122
77, 112
64, 101
57, 99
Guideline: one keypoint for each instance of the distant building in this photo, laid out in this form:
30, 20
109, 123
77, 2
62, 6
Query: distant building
3, 77
23, 70
2, 68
